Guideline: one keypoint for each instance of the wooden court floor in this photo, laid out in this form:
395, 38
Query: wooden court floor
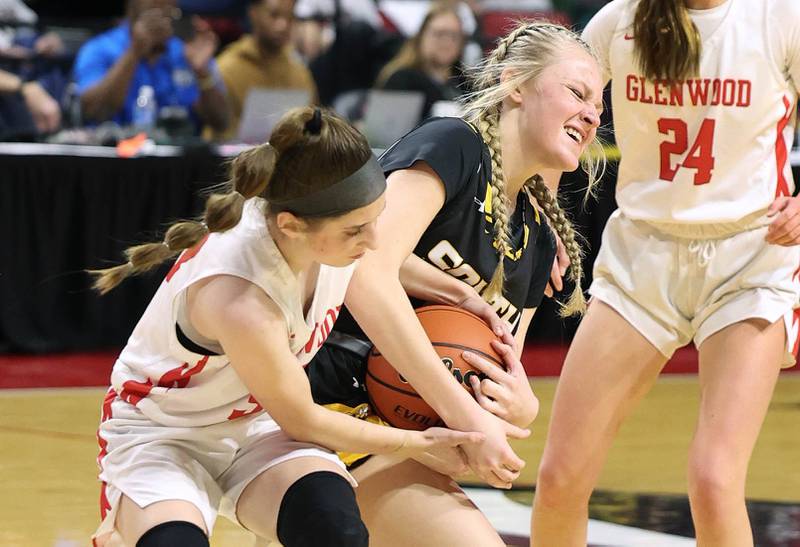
48, 449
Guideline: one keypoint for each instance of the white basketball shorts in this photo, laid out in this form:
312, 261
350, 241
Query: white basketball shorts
208, 466
676, 289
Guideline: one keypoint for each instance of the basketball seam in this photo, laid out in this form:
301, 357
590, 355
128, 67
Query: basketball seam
433, 308
393, 388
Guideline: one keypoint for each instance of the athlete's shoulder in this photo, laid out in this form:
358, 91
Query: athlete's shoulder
606, 20
605, 27
783, 32
787, 7
440, 142
783, 16
455, 129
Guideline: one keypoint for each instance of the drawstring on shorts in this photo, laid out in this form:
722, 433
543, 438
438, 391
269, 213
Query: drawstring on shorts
705, 249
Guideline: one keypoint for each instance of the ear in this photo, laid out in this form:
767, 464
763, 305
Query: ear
515, 95
290, 225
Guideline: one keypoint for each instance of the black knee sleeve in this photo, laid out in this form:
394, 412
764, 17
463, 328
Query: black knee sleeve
320, 509
173, 534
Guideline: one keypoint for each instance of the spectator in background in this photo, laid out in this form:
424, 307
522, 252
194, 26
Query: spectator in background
429, 61
25, 108
111, 68
315, 26
263, 59
345, 43
31, 82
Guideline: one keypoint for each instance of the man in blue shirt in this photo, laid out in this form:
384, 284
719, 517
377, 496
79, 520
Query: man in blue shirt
111, 68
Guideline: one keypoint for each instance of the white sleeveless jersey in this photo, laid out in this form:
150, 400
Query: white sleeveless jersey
714, 148
177, 387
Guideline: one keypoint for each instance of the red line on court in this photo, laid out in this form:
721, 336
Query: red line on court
94, 368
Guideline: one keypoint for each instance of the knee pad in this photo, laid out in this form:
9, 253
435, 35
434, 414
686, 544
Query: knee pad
320, 509
172, 533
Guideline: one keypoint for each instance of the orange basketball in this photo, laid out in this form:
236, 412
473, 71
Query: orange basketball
451, 331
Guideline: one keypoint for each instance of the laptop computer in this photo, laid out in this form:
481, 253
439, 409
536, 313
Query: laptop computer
391, 114
262, 109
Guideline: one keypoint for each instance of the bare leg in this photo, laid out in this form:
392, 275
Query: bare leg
405, 503
260, 502
610, 366
739, 367
133, 521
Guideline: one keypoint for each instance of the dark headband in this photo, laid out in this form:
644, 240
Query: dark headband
356, 190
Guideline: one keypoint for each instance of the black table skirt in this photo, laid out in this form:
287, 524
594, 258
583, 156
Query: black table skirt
61, 215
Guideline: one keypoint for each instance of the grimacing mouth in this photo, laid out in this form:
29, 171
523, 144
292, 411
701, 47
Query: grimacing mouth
575, 134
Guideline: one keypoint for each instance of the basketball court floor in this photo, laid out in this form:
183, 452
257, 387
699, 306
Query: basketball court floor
50, 494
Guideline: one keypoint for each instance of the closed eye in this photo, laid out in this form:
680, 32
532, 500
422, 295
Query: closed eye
577, 93
354, 233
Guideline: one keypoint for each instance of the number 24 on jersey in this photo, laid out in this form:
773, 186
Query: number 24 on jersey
700, 156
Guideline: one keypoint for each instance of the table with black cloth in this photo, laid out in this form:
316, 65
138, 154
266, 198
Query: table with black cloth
68, 208
65, 209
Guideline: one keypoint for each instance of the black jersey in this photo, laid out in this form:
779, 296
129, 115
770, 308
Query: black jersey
460, 240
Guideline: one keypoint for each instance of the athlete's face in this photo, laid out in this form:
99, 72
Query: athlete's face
559, 112
340, 241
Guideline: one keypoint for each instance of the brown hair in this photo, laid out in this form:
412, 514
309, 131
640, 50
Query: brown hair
526, 51
295, 162
409, 55
666, 41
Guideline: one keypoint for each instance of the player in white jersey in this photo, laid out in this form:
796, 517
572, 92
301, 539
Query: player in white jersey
209, 409
703, 248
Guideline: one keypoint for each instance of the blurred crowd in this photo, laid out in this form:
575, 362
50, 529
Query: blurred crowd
186, 71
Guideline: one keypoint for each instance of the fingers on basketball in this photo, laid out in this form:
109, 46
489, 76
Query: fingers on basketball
452, 331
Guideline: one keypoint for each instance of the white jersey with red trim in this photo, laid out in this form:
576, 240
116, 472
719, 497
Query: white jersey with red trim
174, 386
710, 149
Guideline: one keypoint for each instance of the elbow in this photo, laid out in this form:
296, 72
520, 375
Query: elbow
302, 426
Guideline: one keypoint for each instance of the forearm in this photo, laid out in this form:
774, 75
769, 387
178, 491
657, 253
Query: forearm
340, 432
101, 101
426, 282
407, 347
9, 83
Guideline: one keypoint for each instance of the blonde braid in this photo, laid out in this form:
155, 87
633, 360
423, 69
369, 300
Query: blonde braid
488, 126
522, 56
563, 227
485, 77
487, 121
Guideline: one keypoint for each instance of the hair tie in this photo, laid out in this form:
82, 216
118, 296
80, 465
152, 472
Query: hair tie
314, 124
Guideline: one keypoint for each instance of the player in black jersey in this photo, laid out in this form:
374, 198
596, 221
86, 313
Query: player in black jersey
464, 193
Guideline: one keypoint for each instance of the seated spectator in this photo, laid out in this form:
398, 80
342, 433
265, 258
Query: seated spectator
111, 68
26, 109
262, 59
406, 16
316, 23
429, 61
32, 78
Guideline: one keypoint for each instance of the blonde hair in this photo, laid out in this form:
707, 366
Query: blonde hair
410, 55
666, 41
295, 162
525, 52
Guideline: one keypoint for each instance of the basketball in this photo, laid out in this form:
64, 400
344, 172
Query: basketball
451, 331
